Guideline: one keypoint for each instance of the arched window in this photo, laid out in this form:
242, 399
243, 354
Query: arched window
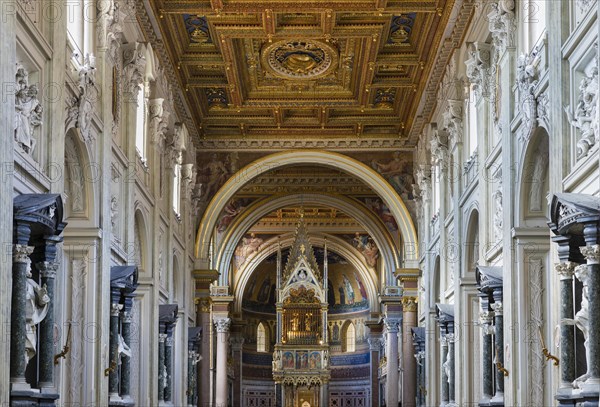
350, 338
140, 124
261, 338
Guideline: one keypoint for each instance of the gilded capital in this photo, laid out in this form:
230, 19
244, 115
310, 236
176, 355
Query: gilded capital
409, 304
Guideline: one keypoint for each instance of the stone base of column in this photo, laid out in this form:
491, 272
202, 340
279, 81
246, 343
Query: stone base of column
32, 397
127, 401
577, 397
497, 400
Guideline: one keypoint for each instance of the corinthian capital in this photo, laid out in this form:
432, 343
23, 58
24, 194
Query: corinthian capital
222, 324
391, 325
565, 270
409, 304
591, 253
21, 253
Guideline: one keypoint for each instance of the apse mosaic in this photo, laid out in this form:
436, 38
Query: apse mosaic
346, 289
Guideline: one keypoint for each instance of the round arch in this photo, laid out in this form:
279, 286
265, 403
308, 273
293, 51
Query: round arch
471, 250
371, 223
336, 245
141, 236
317, 157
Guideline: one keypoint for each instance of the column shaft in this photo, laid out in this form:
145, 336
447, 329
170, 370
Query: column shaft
161, 366
391, 388
592, 255
499, 348
126, 360
409, 363
222, 326
113, 353
203, 369
18, 318
451, 368
444, 384
567, 332
46, 351
168, 396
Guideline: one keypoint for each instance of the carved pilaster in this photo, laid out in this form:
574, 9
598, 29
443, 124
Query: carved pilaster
453, 121
478, 66
134, 65
502, 24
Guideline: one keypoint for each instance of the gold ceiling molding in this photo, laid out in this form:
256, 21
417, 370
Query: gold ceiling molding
297, 63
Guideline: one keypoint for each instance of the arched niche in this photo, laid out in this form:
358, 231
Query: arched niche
177, 278
371, 223
141, 248
533, 185
79, 177
472, 242
319, 158
241, 279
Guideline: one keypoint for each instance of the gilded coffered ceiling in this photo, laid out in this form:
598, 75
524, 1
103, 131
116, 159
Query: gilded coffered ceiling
265, 74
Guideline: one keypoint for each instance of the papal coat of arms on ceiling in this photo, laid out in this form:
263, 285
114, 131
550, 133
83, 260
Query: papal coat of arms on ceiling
299, 59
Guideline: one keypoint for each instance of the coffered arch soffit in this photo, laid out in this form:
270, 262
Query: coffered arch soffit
319, 158
373, 225
335, 244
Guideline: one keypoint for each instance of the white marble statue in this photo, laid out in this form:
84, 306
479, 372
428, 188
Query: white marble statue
581, 320
28, 111
36, 309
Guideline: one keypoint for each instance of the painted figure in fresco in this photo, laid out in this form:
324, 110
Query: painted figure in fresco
349, 290
231, 210
394, 172
367, 247
251, 286
247, 246
313, 362
377, 206
361, 287
336, 333
330, 293
288, 360
263, 294
216, 175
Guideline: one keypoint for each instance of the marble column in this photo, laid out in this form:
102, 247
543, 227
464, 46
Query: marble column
113, 352
419, 377
126, 360
444, 383
191, 375
567, 332
487, 356
46, 352
203, 368
222, 327
237, 344
391, 388
324, 395
498, 349
161, 367
592, 256
409, 363
18, 323
451, 369
168, 392
375, 348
